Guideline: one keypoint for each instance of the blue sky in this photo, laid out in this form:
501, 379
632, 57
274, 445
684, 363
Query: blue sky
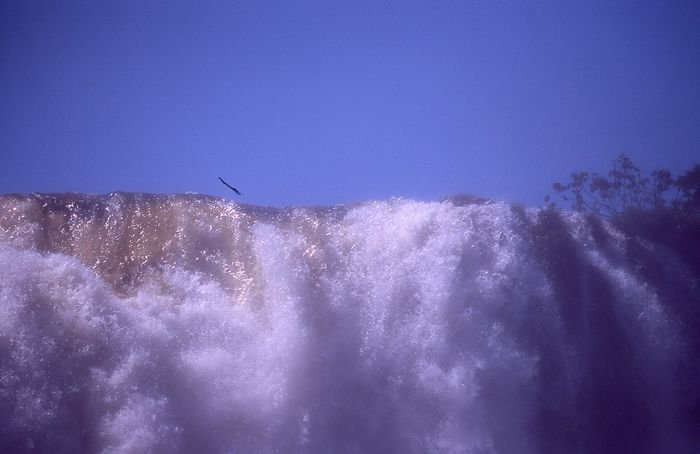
325, 102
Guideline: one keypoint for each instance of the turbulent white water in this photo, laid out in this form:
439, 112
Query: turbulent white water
140, 323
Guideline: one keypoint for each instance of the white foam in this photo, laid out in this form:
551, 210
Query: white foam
397, 327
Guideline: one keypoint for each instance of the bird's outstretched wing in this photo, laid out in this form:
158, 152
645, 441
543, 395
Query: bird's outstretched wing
230, 187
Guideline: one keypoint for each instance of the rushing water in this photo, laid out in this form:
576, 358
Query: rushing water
146, 323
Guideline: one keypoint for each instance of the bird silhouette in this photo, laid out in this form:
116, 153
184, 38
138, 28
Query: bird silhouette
230, 187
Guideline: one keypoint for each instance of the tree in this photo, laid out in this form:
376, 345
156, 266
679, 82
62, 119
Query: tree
689, 186
625, 188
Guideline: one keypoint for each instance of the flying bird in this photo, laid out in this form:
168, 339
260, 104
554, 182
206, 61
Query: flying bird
230, 187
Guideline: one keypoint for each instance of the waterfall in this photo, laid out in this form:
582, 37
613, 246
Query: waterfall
186, 323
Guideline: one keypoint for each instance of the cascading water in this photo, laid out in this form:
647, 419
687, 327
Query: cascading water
176, 324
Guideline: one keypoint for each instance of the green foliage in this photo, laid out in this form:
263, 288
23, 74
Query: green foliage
626, 189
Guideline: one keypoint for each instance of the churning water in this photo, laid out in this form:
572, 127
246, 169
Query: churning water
142, 323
